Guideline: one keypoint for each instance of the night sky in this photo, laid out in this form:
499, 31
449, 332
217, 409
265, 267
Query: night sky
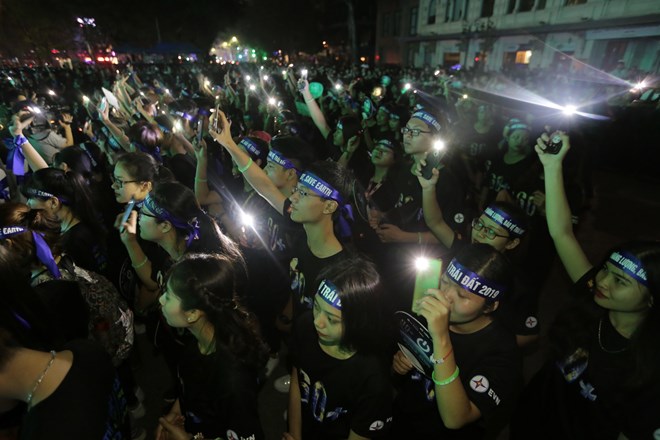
41, 25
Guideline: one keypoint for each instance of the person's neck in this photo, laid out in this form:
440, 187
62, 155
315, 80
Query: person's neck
418, 156
336, 351
482, 126
380, 173
514, 156
473, 326
625, 323
174, 246
321, 239
204, 333
67, 219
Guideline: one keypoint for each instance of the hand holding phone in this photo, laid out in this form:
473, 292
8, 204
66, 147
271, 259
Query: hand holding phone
429, 271
433, 159
127, 213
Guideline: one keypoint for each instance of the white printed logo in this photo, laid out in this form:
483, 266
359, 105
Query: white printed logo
459, 218
531, 322
231, 435
377, 425
479, 383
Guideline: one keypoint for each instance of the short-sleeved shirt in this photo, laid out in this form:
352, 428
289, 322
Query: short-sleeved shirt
339, 396
47, 143
218, 395
491, 373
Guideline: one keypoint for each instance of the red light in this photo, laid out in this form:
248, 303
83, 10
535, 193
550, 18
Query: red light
377, 57
476, 59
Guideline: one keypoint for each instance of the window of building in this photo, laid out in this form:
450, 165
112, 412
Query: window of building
413, 20
487, 7
456, 10
396, 28
575, 2
511, 7
525, 5
540, 4
523, 56
431, 13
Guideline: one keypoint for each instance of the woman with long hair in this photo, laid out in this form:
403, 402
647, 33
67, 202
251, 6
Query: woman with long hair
219, 368
602, 378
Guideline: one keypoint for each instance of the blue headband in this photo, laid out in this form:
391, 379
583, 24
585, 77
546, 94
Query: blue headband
323, 189
428, 119
472, 282
386, 143
630, 265
329, 293
503, 219
44, 195
276, 156
43, 252
184, 115
15, 157
192, 226
250, 146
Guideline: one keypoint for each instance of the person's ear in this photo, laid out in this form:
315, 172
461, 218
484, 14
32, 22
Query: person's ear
512, 244
166, 226
330, 207
192, 316
490, 307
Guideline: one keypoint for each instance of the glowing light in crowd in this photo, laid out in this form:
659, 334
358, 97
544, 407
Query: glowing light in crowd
422, 264
337, 86
265, 77
569, 110
51, 93
253, 87
439, 145
248, 77
272, 101
247, 219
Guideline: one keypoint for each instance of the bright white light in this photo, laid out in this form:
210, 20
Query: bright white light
36, 110
337, 86
265, 77
569, 110
436, 73
284, 73
207, 82
439, 145
167, 91
248, 77
422, 263
177, 126
639, 85
253, 87
261, 67
407, 86
304, 73
465, 96
247, 219
272, 101
85, 98
51, 93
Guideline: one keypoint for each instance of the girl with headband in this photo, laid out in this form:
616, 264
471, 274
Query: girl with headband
219, 369
602, 378
476, 365
340, 379
503, 226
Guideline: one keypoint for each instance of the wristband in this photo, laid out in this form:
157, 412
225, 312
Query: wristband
137, 266
447, 381
442, 360
245, 168
198, 179
20, 140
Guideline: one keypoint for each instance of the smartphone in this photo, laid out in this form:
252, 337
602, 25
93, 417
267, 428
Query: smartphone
433, 159
216, 119
103, 104
428, 277
200, 130
127, 213
554, 144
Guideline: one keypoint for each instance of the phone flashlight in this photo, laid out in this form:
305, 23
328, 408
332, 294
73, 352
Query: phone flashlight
248, 77
337, 86
436, 73
85, 98
439, 145
253, 87
247, 219
407, 87
272, 101
265, 77
465, 96
51, 93
284, 73
569, 110
304, 73
422, 263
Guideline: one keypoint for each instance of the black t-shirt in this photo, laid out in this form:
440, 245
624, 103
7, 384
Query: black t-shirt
218, 395
85, 249
582, 395
304, 269
502, 176
183, 169
338, 396
478, 148
88, 404
491, 373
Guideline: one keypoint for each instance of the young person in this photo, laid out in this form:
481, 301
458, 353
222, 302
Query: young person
219, 368
602, 378
476, 368
340, 382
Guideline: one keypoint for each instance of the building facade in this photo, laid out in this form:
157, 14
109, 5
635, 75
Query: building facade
497, 34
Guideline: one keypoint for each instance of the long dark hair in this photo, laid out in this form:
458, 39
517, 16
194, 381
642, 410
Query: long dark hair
207, 282
22, 246
70, 188
361, 294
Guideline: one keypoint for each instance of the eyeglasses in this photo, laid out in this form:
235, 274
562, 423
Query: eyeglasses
120, 183
478, 225
414, 132
303, 192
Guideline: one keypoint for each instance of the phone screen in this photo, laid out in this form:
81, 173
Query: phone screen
427, 278
127, 213
200, 130
433, 159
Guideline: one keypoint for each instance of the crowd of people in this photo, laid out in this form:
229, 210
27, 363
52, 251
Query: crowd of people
235, 213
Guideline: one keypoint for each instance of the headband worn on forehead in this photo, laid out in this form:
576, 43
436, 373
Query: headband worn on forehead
472, 282
42, 250
630, 265
192, 226
329, 293
503, 219
428, 119
323, 189
276, 156
385, 143
44, 195
250, 146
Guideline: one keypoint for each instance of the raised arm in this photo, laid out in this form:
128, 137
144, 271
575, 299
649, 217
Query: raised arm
558, 213
252, 173
314, 109
432, 212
